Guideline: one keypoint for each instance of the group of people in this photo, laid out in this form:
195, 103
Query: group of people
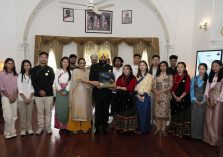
143, 96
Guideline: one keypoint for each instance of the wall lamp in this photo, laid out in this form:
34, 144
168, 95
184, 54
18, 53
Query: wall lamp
204, 26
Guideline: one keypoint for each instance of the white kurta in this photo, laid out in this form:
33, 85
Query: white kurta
80, 96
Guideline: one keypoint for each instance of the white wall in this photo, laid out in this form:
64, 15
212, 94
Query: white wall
184, 33
216, 38
70, 48
145, 23
181, 19
8, 46
126, 52
211, 12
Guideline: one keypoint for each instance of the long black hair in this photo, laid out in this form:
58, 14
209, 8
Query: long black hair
205, 78
184, 64
212, 73
159, 70
13, 69
68, 68
23, 69
130, 77
139, 74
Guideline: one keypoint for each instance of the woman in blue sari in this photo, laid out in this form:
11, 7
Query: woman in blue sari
143, 101
198, 102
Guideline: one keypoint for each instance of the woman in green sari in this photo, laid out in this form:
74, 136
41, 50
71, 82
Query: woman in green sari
62, 83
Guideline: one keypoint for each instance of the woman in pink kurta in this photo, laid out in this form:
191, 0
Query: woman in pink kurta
9, 92
213, 127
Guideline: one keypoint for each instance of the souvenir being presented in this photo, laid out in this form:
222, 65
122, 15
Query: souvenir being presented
107, 80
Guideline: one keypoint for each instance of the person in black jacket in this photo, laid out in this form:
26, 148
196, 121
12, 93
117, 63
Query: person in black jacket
101, 95
154, 66
173, 64
42, 77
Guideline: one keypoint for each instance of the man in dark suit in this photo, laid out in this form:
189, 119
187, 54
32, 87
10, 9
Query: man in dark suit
101, 95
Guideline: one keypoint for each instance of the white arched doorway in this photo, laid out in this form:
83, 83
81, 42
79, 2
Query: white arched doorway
37, 5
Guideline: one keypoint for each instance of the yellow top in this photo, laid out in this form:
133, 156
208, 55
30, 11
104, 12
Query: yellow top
145, 86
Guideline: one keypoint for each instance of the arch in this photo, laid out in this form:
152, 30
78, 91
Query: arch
38, 5
35, 7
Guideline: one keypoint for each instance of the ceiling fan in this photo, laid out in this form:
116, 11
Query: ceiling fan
94, 6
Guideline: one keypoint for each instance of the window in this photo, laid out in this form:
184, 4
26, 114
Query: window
145, 56
91, 48
52, 60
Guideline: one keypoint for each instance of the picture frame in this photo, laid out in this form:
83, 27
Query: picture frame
68, 15
95, 23
107, 80
127, 17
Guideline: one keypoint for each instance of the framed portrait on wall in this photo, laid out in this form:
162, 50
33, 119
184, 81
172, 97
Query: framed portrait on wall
207, 56
98, 23
127, 17
68, 15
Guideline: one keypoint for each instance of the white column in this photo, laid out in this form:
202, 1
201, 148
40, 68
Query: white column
170, 50
22, 53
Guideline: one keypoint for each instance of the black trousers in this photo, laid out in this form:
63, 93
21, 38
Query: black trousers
113, 104
102, 101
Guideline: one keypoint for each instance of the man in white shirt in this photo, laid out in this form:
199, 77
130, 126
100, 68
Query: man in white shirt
135, 66
154, 66
117, 71
153, 71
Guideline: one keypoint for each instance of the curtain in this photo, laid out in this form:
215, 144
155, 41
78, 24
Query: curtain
150, 53
57, 49
138, 48
113, 51
44, 43
80, 50
43, 47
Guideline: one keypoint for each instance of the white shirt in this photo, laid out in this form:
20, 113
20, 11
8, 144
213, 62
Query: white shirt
25, 87
135, 69
117, 73
154, 72
61, 77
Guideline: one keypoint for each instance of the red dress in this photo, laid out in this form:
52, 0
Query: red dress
181, 111
126, 118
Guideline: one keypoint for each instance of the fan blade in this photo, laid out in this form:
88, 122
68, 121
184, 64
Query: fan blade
99, 2
74, 3
96, 11
91, 1
105, 6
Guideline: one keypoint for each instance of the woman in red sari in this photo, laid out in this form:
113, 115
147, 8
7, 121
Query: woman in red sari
180, 103
126, 118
